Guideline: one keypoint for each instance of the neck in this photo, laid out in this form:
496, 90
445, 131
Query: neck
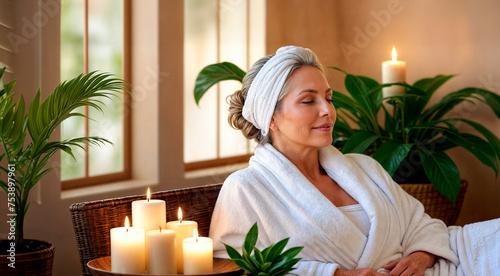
305, 159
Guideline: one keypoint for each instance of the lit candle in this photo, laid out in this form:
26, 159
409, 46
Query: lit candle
161, 252
148, 214
393, 71
128, 249
183, 229
198, 255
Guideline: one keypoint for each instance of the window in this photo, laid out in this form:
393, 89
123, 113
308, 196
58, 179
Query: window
217, 31
6, 48
94, 36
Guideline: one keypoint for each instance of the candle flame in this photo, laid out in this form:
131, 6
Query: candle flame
179, 214
195, 234
394, 54
127, 223
149, 194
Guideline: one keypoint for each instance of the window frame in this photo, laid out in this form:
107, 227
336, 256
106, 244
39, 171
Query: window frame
126, 173
219, 161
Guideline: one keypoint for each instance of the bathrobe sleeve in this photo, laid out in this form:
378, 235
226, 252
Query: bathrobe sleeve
420, 231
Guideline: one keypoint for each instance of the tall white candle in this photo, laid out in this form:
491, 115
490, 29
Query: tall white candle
183, 229
393, 71
128, 249
198, 255
148, 214
161, 252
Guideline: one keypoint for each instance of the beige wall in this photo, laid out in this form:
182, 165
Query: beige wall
433, 37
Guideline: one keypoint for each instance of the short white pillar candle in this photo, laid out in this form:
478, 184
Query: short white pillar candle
183, 229
161, 252
198, 255
128, 249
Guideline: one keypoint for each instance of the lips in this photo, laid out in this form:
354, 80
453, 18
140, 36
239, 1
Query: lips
324, 127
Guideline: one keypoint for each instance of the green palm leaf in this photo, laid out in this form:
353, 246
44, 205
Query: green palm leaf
40, 122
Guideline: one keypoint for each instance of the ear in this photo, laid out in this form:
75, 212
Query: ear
273, 126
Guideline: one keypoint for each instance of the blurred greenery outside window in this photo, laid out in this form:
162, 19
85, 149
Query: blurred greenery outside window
104, 37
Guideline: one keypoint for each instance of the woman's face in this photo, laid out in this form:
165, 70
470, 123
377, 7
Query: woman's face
307, 115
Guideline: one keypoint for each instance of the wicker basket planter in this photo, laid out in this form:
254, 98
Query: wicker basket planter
34, 263
435, 204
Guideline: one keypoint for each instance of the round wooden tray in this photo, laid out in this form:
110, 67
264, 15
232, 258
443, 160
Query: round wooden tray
102, 267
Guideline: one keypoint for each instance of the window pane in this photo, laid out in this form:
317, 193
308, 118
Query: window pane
105, 54
217, 31
233, 48
72, 22
200, 50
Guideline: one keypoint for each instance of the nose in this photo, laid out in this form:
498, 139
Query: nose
327, 109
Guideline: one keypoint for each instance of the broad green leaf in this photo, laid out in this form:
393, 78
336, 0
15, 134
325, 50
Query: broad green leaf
233, 253
359, 142
292, 252
430, 85
374, 92
277, 249
391, 153
341, 101
358, 89
477, 146
251, 239
242, 264
215, 73
258, 256
442, 172
492, 138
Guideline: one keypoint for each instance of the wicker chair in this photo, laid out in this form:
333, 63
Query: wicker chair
93, 221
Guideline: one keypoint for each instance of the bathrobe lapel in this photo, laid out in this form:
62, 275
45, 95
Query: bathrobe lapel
357, 184
311, 204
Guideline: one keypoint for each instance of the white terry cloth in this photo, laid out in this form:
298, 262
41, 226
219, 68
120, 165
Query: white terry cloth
273, 192
358, 216
477, 246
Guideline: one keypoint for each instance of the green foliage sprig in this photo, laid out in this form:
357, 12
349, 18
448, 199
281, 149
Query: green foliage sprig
271, 261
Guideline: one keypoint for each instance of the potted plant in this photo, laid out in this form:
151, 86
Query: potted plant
25, 158
407, 134
271, 261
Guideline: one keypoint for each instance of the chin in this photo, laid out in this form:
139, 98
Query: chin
325, 143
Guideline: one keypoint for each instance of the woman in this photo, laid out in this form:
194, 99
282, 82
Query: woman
346, 211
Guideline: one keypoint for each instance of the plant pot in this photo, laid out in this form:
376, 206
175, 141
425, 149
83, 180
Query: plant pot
38, 262
437, 205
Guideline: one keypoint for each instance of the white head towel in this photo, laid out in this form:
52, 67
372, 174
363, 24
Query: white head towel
264, 91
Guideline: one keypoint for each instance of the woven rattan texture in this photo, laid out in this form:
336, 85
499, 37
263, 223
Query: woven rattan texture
35, 263
92, 221
436, 205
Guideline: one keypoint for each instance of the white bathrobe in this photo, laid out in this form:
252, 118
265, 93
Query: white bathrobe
273, 192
